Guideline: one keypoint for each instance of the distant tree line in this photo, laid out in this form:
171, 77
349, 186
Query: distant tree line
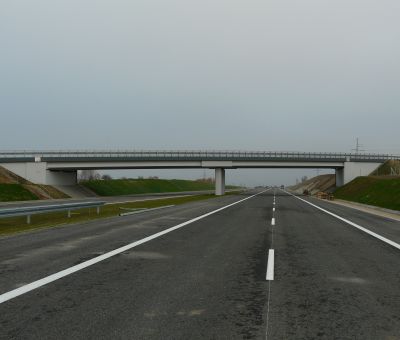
92, 175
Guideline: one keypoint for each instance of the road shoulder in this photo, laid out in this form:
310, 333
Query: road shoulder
391, 214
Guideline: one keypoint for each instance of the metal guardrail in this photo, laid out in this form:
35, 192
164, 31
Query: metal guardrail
120, 155
28, 211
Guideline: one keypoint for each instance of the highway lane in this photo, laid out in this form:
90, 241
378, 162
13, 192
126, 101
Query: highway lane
332, 281
25, 257
207, 279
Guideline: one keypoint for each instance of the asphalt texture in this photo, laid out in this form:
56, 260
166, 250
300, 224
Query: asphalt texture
107, 199
207, 280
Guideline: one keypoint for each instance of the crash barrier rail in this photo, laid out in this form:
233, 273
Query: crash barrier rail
28, 211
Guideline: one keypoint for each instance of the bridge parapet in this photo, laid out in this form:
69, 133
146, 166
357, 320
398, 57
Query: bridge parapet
174, 155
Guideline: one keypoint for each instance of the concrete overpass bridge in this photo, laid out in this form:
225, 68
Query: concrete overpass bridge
60, 167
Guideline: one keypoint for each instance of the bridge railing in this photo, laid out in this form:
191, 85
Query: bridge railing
189, 154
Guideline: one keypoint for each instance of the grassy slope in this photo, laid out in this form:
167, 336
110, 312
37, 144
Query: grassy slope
15, 192
379, 191
16, 188
142, 186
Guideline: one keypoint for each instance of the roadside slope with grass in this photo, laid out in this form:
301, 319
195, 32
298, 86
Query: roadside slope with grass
379, 191
119, 187
16, 188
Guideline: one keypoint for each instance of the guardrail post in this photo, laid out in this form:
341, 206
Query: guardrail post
27, 212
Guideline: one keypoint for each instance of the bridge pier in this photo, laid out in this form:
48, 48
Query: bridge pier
219, 181
339, 177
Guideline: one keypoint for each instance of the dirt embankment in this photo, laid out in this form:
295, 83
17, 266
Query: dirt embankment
38, 191
389, 168
313, 185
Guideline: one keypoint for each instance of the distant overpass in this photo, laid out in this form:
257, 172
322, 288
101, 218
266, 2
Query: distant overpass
60, 167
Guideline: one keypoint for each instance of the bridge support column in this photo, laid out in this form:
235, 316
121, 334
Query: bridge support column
339, 177
219, 181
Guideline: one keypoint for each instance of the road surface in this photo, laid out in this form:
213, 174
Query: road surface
107, 199
207, 278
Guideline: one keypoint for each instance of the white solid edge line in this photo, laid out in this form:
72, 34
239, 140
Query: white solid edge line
146, 199
145, 210
270, 265
273, 221
51, 278
355, 225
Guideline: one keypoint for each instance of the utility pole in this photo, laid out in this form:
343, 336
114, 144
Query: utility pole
358, 147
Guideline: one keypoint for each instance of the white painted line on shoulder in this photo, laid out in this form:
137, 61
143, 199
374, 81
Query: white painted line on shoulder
270, 265
273, 221
145, 210
355, 225
147, 199
51, 278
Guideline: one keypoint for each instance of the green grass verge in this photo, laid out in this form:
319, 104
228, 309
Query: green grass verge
380, 192
15, 192
118, 187
18, 224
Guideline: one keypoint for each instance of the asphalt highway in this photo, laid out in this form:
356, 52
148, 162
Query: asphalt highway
107, 199
200, 270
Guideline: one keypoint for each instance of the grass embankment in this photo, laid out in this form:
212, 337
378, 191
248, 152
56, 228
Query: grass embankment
18, 224
15, 192
28, 192
382, 192
16, 188
117, 187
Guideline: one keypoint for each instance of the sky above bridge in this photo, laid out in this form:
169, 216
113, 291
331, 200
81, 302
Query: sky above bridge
308, 75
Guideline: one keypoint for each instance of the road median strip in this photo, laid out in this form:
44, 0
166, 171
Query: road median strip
14, 225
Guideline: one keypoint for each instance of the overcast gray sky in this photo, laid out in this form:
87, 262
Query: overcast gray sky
309, 75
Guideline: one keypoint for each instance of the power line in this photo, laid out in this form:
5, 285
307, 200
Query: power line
358, 147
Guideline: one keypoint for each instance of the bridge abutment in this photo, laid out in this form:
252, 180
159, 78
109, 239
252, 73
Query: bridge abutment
37, 172
351, 170
219, 181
